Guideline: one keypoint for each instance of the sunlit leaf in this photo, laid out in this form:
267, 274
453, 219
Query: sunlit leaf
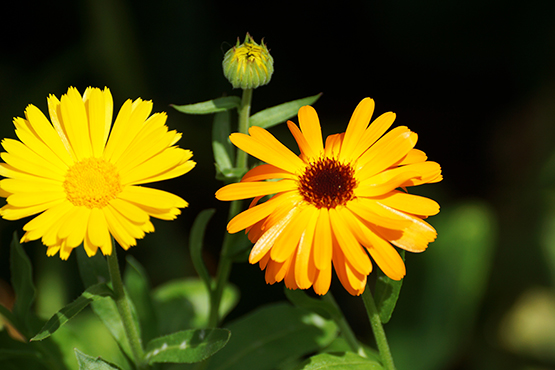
280, 113
210, 106
340, 361
87, 362
186, 346
61, 317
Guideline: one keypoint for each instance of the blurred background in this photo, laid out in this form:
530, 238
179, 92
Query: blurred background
475, 80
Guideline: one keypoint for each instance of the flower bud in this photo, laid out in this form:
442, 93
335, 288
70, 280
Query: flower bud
248, 65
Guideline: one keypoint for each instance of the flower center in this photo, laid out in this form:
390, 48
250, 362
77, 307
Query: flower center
327, 183
92, 183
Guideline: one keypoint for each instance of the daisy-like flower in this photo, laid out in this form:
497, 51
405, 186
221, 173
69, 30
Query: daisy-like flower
334, 205
83, 175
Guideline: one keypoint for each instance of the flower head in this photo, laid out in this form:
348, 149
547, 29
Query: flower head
248, 65
83, 175
334, 205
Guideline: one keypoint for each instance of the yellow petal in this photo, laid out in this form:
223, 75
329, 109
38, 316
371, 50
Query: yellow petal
75, 122
149, 197
348, 244
28, 199
323, 241
356, 128
410, 203
155, 166
268, 149
244, 190
305, 270
29, 186
23, 164
266, 172
39, 126
267, 240
253, 215
131, 211
97, 232
99, 113
322, 281
288, 240
386, 181
372, 211
310, 127
10, 212
373, 133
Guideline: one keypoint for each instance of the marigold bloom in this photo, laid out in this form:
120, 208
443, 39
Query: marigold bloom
334, 204
83, 179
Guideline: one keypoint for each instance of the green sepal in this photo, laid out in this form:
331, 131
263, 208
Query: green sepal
228, 174
61, 317
386, 294
22, 282
340, 361
186, 346
323, 308
196, 244
280, 113
87, 362
210, 106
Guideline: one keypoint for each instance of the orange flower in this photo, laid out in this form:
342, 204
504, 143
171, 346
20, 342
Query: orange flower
337, 203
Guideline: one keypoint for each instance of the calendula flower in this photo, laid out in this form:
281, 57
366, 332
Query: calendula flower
334, 205
83, 175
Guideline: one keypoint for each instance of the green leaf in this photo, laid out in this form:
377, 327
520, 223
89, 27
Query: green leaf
195, 245
6, 354
87, 362
138, 289
107, 311
280, 113
386, 294
190, 298
271, 335
300, 299
210, 106
221, 145
340, 361
186, 346
22, 281
93, 270
65, 314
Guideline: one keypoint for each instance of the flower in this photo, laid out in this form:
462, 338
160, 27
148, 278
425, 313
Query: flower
248, 65
83, 179
336, 204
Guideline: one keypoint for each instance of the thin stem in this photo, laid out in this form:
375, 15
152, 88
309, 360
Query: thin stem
377, 328
224, 266
124, 309
344, 327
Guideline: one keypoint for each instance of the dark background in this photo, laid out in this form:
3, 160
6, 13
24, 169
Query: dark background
474, 79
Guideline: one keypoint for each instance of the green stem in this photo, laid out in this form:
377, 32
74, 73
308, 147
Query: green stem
224, 266
124, 309
344, 327
377, 328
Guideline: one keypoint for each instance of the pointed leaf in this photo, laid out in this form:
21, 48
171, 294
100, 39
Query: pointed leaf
87, 362
221, 145
92, 293
138, 289
22, 281
186, 346
323, 308
195, 245
280, 113
210, 106
386, 294
265, 338
340, 361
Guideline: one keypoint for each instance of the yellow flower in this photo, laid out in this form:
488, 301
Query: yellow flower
339, 203
83, 179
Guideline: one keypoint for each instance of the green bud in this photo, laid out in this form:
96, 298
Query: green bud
248, 65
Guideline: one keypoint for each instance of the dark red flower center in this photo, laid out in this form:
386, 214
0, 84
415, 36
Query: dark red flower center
327, 183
